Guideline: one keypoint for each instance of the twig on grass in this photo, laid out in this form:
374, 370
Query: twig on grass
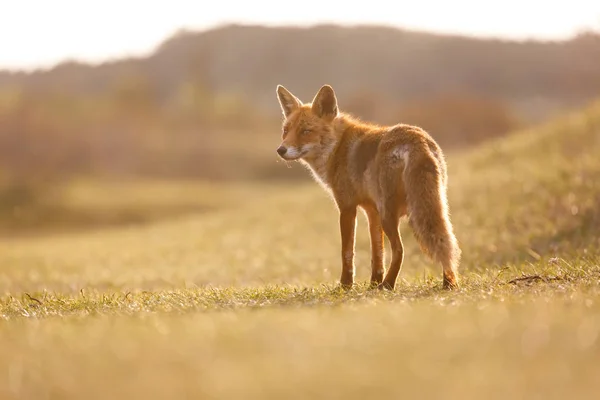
534, 278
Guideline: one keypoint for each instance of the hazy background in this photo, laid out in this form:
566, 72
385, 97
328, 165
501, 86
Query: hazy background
157, 93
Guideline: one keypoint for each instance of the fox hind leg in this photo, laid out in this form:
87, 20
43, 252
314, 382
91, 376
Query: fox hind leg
390, 223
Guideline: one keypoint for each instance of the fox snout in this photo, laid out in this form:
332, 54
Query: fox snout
281, 150
290, 153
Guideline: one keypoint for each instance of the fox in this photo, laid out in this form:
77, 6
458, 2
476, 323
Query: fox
387, 171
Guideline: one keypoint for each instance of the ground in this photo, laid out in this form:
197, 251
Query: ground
242, 301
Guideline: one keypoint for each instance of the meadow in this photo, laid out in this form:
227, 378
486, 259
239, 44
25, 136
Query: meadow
243, 301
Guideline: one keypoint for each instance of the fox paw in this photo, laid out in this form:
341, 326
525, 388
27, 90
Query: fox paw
450, 282
385, 286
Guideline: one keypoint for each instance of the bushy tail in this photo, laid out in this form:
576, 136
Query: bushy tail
428, 212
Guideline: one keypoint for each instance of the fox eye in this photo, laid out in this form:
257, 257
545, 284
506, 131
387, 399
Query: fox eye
285, 131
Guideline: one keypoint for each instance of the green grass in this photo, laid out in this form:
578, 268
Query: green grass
241, 301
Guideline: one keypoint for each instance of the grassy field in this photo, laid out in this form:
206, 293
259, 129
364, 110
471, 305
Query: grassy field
242, 301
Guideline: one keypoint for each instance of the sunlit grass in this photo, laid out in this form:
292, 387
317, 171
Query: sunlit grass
516, 283
242, 301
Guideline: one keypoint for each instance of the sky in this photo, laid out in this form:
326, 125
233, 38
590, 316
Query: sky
41, 33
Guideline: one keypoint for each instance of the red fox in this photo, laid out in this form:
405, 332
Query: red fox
387, 171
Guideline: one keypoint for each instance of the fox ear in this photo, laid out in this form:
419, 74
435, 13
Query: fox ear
325, 104
289, 103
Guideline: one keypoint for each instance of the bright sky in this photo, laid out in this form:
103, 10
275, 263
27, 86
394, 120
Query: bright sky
40, 33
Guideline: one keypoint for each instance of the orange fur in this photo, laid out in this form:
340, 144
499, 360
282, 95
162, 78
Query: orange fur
387, 171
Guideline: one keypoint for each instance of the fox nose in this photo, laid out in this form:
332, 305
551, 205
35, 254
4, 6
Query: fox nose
281, 150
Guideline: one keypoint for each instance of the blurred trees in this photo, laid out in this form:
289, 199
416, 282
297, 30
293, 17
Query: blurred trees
204, 106
460, 119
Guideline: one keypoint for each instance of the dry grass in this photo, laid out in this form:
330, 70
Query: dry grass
242, 302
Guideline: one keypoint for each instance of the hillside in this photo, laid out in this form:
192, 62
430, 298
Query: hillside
531, 196
395, 63
242, 302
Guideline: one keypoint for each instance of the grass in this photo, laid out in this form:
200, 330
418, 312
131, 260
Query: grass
78, 205
241, 301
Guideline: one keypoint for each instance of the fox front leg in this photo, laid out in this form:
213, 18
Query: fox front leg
347, 231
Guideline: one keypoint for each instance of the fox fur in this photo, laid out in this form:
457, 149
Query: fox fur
387, 171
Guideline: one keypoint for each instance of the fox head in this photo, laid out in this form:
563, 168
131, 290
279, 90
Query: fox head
307, 128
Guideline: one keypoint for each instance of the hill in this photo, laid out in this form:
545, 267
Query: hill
395, 63
247, 294
529, 196
203, 106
